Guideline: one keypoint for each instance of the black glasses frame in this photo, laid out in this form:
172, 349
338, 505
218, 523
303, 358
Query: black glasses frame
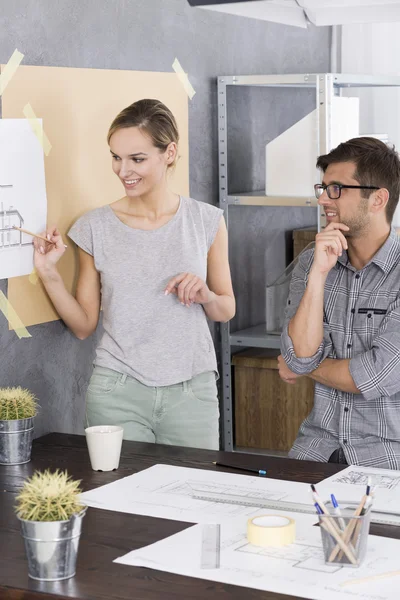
320, 188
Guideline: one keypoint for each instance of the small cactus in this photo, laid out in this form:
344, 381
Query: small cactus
17, 403
49, 497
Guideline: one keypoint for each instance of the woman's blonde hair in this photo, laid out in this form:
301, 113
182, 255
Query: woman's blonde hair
156, 120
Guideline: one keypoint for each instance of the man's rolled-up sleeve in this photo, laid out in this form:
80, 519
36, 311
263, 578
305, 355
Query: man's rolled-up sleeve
376, 371
301, 366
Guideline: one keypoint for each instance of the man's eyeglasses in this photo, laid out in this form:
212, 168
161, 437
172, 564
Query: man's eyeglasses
334, 190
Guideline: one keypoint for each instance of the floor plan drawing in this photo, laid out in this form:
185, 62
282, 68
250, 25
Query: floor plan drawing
350, 485
195, 495
388, 482
221, 492
298, 569
298, 555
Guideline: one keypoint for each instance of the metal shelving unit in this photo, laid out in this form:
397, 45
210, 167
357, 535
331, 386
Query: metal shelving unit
326, 85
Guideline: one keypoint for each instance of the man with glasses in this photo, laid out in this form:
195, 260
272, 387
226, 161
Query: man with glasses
343, 313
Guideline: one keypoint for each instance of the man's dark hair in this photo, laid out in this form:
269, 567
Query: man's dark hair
376, 165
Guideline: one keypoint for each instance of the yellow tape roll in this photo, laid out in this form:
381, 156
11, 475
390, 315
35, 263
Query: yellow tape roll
271, 530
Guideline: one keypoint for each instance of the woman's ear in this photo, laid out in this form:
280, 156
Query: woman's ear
171, 153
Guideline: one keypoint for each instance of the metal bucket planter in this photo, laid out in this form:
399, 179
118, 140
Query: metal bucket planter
16, 441
52, 547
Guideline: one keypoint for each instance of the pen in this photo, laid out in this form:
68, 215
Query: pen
318, 500
337, 512
325, 511
318, 508
261, 472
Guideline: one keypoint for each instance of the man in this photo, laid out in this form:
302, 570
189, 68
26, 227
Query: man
343, 313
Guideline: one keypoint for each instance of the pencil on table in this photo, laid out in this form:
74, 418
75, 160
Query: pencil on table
371, 578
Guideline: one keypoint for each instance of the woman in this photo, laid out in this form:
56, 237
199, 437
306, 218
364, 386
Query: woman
158, 265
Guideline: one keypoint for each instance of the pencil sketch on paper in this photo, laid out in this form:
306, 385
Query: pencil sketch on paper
298, 555
9, 237
297, 570
194, 495
388, 482
23, 201
220, 492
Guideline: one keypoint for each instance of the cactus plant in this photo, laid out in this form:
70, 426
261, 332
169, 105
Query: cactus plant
17, 403
49, 497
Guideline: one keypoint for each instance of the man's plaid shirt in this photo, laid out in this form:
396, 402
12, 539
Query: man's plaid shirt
361, 323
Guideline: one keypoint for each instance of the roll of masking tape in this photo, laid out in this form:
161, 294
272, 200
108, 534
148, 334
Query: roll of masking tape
271, 530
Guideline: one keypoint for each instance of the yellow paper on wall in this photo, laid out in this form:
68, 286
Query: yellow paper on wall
77, 107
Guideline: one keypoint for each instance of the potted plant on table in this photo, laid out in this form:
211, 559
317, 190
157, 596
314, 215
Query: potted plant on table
18, 408
50, 514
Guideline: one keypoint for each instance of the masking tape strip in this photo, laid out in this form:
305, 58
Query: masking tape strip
37, 128
271, 530
9, 69
176, 65
13, 318
33, 277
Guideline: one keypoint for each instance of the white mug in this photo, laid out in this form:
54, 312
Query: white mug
104, 444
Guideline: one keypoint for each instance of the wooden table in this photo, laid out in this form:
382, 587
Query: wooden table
107, 535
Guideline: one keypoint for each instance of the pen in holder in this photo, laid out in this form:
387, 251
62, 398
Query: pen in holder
345, 546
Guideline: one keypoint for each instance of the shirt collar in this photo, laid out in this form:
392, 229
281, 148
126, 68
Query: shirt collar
385, 258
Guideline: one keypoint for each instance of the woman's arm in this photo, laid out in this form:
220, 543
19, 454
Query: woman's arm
215, 295
221, 305
80, 314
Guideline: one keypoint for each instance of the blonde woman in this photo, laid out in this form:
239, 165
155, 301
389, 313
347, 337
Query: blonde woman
158, 264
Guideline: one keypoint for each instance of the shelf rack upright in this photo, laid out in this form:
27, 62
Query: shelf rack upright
326, 85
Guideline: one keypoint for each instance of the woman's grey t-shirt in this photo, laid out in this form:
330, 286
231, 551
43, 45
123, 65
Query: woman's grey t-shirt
148, 335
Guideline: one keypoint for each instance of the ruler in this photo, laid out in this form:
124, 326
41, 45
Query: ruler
376, 516
210, 546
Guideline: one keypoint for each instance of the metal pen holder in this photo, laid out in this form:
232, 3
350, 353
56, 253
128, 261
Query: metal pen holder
345, 537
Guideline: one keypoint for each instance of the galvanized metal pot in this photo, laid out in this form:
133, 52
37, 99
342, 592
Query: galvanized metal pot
16, 441
52, 547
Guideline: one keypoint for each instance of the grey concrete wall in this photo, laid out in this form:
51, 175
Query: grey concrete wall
148, 35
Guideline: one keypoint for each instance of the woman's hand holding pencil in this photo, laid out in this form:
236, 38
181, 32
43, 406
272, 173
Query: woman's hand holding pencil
49, 248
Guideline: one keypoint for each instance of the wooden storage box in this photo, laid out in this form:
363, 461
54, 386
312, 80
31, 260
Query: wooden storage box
301, 239
268, 411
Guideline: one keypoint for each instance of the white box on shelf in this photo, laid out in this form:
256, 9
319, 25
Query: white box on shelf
291, 157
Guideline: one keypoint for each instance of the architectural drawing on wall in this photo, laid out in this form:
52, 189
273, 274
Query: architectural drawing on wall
388, 482
10, 217
23, 201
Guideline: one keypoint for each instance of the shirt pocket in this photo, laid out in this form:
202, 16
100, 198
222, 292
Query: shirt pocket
369, 322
